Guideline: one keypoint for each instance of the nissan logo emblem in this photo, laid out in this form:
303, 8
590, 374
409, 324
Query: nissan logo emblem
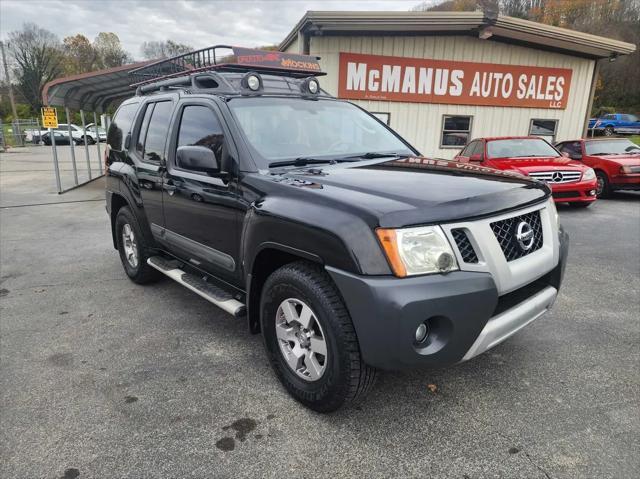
524, 235
556, 177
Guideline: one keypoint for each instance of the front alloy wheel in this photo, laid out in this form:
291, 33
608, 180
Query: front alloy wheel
301, 339
130, 245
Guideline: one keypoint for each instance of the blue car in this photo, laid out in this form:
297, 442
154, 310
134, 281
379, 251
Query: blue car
620, 123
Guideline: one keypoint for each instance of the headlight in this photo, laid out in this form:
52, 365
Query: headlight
421, 250
553, 212
589, 174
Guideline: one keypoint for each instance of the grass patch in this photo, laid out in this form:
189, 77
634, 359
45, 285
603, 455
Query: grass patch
635, 139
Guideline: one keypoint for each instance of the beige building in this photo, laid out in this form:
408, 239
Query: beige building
440, 79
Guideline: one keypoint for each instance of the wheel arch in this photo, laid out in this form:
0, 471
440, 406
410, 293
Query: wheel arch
269, 257
117, 203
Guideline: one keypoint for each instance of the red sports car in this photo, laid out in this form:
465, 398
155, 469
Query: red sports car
570, 181
616, 161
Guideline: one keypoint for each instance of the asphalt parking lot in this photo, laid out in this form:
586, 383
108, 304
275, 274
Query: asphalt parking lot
100, 377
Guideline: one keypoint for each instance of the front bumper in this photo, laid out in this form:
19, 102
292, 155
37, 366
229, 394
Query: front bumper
626, 182
579, 192
463, 309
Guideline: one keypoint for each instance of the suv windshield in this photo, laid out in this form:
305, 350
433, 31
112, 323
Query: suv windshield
520, 147
611, 147
288, 128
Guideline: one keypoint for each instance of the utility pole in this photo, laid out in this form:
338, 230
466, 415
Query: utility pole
8, 80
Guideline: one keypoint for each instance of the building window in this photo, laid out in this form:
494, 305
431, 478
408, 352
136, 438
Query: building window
456, 131
383, 117
544, 128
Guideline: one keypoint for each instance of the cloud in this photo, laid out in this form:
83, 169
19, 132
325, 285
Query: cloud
199, 23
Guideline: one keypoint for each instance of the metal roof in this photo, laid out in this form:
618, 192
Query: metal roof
92, 91
502, 28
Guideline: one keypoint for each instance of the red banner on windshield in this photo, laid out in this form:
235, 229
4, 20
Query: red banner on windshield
418, 80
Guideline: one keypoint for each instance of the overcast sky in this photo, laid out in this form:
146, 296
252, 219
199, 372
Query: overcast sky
199, 23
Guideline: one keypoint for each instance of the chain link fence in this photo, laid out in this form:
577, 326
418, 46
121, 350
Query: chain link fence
21, 132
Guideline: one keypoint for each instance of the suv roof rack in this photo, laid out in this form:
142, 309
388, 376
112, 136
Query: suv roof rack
236, 59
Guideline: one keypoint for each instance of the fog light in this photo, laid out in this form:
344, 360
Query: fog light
421, 332
313, 86
592, 193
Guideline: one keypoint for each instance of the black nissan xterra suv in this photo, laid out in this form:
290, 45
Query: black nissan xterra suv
305, 214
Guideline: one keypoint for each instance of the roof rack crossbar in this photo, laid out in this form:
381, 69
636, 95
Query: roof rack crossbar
238, 59
190, 81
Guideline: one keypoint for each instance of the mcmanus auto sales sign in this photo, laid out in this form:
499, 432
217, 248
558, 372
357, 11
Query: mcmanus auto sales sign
374, 77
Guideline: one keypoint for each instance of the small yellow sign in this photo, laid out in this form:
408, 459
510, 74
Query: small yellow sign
49, 117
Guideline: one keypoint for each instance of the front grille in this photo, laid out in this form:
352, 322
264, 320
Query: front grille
506, 230
464, 246
556, 176
566, 194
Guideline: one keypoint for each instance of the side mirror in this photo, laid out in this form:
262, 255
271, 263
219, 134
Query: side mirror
477, 158
197, 158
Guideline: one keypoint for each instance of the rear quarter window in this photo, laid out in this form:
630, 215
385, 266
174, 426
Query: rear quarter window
121, 126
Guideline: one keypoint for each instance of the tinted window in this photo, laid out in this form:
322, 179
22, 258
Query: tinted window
456, 131
121, 125
573, 148
468, 151
148, 110
157, 132
199, 126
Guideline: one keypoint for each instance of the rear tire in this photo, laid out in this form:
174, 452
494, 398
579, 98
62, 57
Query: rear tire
133, 250
603, 190
339, 375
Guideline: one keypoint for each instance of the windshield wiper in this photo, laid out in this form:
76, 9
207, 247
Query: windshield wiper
306, 160
374, 154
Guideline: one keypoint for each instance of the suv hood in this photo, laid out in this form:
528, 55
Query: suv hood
415, 191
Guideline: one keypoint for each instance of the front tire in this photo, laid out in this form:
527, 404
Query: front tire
603, 189
609, 131
90, 140
310, 339
133, 250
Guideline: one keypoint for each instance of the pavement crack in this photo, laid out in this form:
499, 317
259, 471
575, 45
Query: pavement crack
540, 468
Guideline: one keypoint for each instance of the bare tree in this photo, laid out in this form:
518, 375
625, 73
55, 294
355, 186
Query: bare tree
37, 59
169, 48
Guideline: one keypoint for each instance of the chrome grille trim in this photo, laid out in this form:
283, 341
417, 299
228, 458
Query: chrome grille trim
508, 275
567, 176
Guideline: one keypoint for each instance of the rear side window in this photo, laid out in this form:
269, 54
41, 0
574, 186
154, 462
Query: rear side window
200, 126
157, 132
121, 125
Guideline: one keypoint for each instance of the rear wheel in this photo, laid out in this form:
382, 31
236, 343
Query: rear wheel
603, 188
90, 140
132, 248
310, 339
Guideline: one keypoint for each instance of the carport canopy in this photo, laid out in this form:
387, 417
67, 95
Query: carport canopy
92, 91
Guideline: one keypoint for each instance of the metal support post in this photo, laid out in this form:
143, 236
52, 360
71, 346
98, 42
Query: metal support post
86, 146
71, 145
95, 124
56, 167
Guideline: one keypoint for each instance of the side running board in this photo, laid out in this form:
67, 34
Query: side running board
208, 291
